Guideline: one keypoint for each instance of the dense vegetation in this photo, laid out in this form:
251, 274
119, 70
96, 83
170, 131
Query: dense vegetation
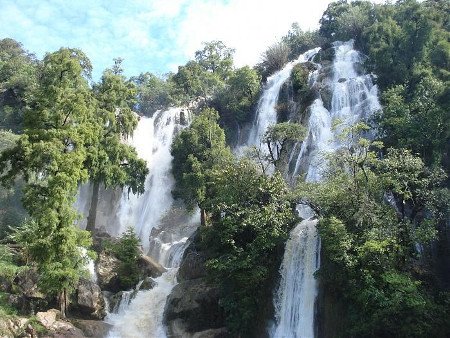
380, 199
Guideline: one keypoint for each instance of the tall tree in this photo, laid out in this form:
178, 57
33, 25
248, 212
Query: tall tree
111, 161
196, 150
50, 155
18, 75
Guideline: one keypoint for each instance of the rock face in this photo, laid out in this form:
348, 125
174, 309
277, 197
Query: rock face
196, 304
93, 328
192, 309
56, 327
149, 267
89, 302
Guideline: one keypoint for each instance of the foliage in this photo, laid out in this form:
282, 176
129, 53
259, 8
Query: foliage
299, 41
153, 93
110, 161
18, 75
273, 59
196, 150
50, 155
11, 211
277, 136
216, 58
238, 98
127, 251
251, 218
368, 244
204, 76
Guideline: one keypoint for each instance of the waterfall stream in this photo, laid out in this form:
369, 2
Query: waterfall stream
162, 225
354, 98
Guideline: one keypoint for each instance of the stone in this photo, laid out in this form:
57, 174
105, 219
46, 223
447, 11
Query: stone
149, 267
93, 328
106, 269
193, 265
148, 283
26, 282
212, 333
196, 305
48, 318
89, 302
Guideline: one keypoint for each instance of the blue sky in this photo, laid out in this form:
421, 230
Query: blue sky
153, 35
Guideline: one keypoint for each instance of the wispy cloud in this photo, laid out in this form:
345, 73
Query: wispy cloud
153, 35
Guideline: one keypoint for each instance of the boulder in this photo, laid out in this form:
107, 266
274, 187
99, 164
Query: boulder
48, 318
149, 267
148, 283
193, 305
106, 269
56, 327
92, 328
193, 265
89, 302
26, 283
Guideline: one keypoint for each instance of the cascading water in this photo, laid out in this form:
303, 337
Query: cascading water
152, 215
354, 98
266, 113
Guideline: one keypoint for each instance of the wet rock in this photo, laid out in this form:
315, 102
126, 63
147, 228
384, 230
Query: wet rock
117, 298
148, 283
89, 302
213, 333
193, 306
149, 267
92, 328
193, 264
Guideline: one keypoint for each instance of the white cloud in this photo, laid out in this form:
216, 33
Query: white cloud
154, 35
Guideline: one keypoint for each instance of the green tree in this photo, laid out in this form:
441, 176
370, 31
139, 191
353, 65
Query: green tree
110, 161
197, 150
300, 41
368, 243
278, 135
50, 156
18, 75
153, 93
127, 251
251, 218
216, 58
237, 100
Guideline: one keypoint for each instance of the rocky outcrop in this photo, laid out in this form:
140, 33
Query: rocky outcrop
149, 267
92, 328
106, 269
192, 309
57, 328
193, 306
88, 301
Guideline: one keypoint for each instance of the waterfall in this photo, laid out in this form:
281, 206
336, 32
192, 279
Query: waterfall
152, 140
266, 113
163, 227
354, 98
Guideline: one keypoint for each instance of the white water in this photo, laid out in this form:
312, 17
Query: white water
163, 228
143, 317
354, 98
152, 140
266, 113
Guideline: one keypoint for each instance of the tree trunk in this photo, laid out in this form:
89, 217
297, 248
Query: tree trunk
90, 226
202, 217
63, 302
